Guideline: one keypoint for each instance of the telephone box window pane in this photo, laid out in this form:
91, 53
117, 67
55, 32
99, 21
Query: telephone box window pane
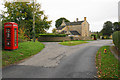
15, 36
8, 35
8, 43
8, 30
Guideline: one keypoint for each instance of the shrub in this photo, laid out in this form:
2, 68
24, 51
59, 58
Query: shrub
71, 37
52, 35
106, 37
116, 39
22, 36
94, 36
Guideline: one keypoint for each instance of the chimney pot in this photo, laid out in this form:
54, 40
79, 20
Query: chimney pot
84, 18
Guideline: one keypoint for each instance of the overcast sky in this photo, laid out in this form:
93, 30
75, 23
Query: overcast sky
96, 11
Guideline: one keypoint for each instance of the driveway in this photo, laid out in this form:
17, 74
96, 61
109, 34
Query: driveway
58, 61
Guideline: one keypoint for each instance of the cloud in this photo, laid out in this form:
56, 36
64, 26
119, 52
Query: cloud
96, 11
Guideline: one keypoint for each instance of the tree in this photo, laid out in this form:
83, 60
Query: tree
107, 28
58, 22
54, 30
116, 26
22, 14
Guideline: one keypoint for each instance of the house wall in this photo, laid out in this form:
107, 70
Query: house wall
85, 28
75, 28
63, 23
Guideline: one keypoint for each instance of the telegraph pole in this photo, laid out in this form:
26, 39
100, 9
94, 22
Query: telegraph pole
34, 20
119, 11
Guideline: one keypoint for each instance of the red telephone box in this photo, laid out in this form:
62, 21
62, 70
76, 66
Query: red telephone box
11, 35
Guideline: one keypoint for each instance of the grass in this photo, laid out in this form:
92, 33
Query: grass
25, 50
72, 43
115, 50
106, 64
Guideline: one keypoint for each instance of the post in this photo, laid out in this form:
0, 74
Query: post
0, 46
34, 20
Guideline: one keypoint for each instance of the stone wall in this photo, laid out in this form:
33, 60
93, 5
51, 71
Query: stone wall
62, 38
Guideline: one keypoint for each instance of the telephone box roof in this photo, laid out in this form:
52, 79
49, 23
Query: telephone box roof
11, 23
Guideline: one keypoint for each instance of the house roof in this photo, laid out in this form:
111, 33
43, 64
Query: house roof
70, 23
60, 27
74, 33
63, 32
74, 23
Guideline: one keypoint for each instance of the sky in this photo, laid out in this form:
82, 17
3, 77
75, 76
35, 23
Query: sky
96, 11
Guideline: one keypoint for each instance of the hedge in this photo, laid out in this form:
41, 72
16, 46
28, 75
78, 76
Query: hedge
52, 35
116, 39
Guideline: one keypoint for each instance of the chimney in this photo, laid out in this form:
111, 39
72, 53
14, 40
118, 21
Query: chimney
76, 19
84, 18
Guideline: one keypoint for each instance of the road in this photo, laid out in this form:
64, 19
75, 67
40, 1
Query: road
58, 61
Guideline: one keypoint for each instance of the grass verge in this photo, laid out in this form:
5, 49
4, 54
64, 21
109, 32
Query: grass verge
25, 50
106, 64
72, 43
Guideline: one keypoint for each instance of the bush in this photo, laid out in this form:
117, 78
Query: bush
106, 37
71, 37
102, 37
116, 39
22, 36
94, 36
52, 35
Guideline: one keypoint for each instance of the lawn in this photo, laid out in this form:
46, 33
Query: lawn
72, 43
25, 50
106, 64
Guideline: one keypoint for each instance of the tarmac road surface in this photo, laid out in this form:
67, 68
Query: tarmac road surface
58, 61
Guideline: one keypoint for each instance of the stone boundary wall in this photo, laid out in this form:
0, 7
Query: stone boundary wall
62, 38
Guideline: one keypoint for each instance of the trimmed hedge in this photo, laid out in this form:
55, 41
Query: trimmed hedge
52, 35
116, 39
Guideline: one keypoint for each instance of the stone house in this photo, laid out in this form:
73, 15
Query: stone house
77, 28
